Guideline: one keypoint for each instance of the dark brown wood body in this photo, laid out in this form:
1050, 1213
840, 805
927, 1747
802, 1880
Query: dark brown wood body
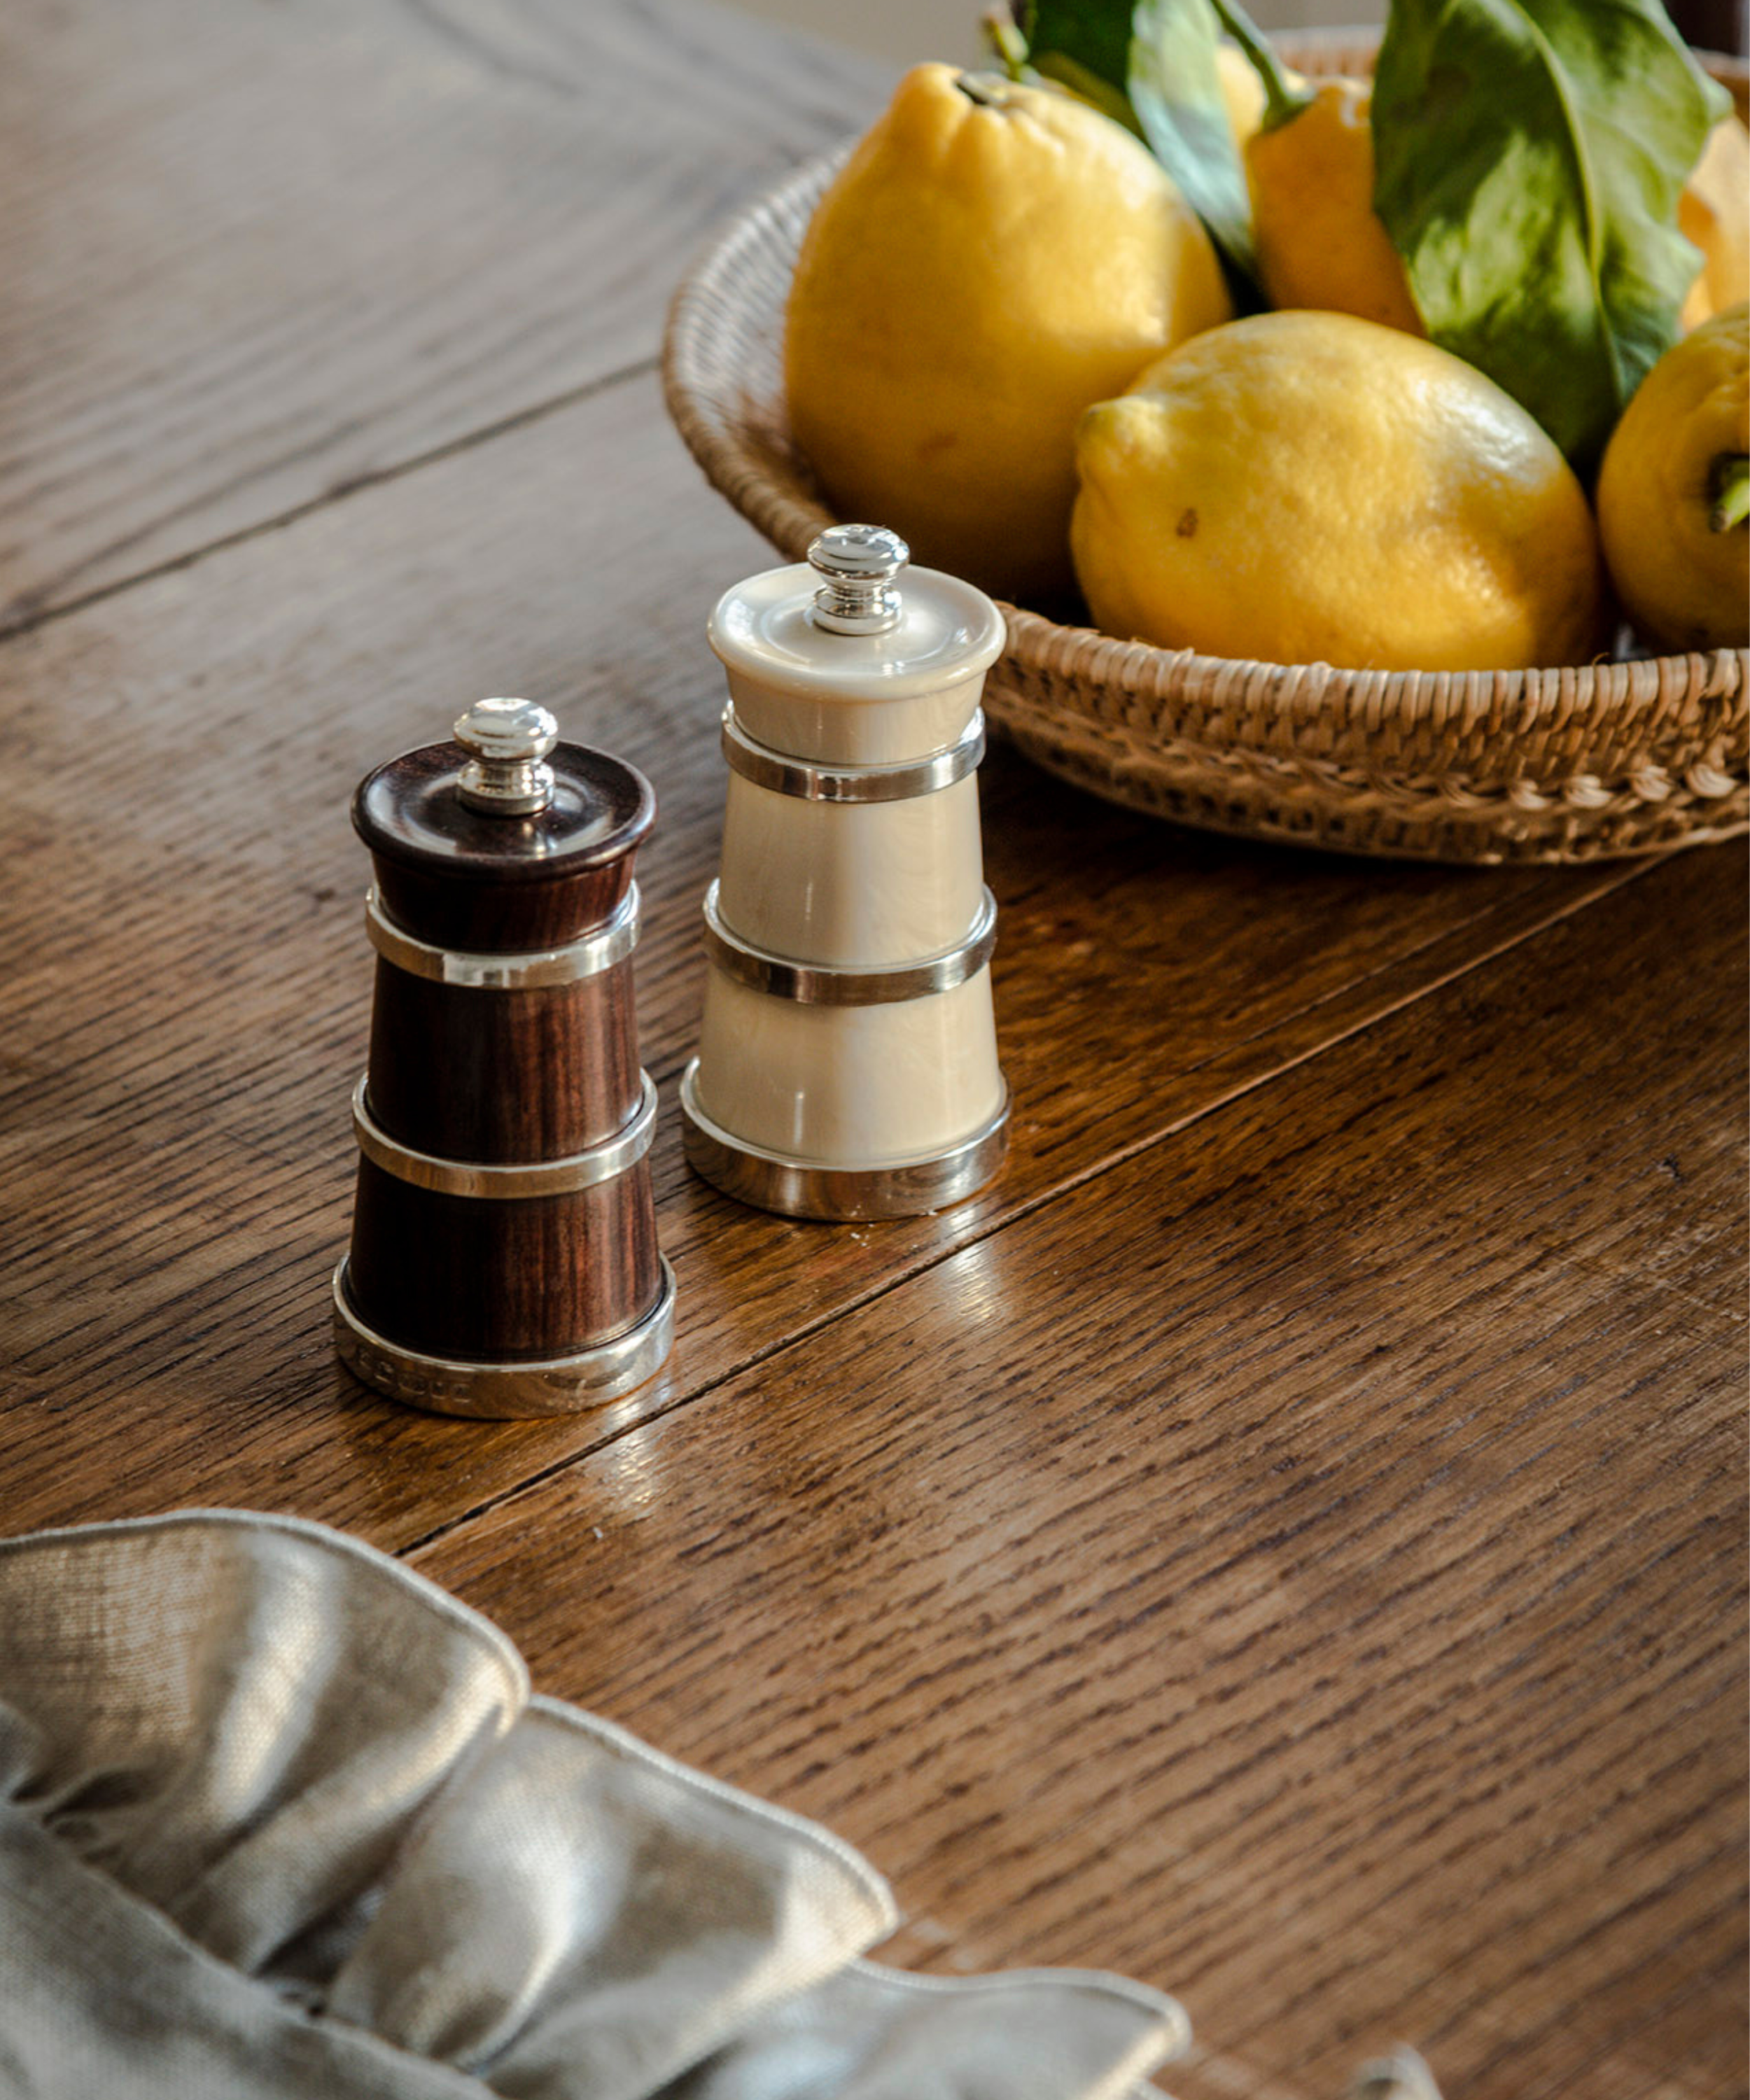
504, 1075
480, 920
503, 1281
495, 1077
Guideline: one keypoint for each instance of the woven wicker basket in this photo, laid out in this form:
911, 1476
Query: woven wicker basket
1579, 763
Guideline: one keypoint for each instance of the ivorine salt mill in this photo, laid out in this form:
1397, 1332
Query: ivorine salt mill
504, 1255
848, 1059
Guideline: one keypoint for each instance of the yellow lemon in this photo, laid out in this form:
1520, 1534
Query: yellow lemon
1714, 213
1673, 489
1242, 91
1320, 241
1309, 487
991, 258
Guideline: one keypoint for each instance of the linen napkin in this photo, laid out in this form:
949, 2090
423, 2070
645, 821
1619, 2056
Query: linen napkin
279, 1818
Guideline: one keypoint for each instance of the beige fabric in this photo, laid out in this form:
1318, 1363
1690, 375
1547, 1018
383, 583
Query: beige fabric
593, 1919
240, 1723
279, 1818
102, 1998
876, 2034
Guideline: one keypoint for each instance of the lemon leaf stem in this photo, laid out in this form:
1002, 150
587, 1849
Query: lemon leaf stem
1007, 43
1282, 99
1731, 491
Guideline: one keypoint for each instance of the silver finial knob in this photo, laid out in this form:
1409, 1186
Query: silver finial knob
857, 565
506, 741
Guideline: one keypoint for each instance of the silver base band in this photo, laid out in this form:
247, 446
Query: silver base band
506, 1392
805, 1189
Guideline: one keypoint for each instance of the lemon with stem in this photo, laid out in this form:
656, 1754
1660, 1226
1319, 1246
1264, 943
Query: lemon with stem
992, 258
1674, 494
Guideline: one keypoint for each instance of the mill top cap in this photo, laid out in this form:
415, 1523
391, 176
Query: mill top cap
843, 625
504, 808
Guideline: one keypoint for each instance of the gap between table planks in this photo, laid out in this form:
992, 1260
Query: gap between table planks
256, 253
190, 978
1302, 1568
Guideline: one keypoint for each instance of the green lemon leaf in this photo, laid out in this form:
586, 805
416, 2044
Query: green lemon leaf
1151, 63
1175, 89
1529, 155
1085, 45
1070, 73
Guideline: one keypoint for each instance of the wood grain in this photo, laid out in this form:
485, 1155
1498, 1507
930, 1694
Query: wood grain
1284, 1540
191, 983
536, 1074
498, 1282
1302, 1568
255, 254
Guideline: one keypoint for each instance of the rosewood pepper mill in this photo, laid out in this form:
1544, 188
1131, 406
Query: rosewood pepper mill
848, 1057
503, 1257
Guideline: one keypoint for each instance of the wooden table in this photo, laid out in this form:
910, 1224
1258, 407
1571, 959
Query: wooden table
1285, 1542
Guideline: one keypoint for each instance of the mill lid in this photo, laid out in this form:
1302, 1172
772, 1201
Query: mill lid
503, 806
855, 631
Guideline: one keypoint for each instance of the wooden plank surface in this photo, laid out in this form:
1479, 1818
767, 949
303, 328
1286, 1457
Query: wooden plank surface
254, 252
1285, 1540
1302, 1568
191, 981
